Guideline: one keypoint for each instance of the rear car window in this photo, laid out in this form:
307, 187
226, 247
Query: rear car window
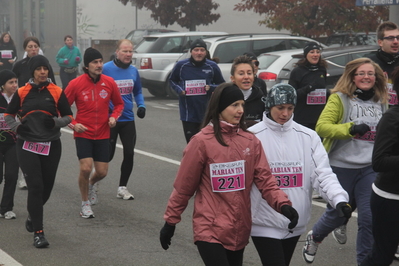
266, 46
145, 45
297, 44
226, 52
266, 60
340, 60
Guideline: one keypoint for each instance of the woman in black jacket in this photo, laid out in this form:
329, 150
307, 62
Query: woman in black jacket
309, 80
242, 75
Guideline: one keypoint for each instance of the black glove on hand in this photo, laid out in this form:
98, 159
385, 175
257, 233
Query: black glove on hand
141, 112
310, 88
49, 122
165, 237
22, 128
344, 210
359, 129
291, 214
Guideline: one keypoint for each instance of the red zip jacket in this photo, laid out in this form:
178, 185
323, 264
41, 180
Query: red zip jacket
92, 104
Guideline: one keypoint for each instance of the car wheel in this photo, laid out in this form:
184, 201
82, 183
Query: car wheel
157, 93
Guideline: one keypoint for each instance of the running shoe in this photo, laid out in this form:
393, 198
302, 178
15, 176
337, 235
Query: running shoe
39, 240
310, 248
339, 234
29, 225
86, 212
8, 215
93, 195
123, 193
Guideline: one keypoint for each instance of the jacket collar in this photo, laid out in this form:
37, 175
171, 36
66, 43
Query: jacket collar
225, 127
276, 126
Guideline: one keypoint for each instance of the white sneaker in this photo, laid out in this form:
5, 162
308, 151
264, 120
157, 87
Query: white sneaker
339, 234
93, 195
310, 248
86, 212
123, 193
8, 215
22, 182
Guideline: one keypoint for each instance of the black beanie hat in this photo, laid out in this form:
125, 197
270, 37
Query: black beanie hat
90, 55
38, 61
229, 95
6, 75
198, 43
309, 47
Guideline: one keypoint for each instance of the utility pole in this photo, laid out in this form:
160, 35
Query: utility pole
134, 3
393, 13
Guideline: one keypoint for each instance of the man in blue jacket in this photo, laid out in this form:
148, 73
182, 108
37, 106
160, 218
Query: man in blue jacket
194, 79
127, 78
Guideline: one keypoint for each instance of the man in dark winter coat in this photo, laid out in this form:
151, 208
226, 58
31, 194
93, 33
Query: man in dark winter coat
194, 79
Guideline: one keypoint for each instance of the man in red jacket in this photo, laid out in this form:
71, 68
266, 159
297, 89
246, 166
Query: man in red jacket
92, 93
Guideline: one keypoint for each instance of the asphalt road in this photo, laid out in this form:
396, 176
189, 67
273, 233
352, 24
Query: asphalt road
126, 232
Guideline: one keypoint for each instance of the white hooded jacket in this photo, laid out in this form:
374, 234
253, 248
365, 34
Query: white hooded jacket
300, 163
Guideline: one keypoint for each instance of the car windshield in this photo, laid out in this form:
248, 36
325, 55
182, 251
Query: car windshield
266, 60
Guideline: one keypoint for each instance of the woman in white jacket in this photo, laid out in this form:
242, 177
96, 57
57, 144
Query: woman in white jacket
300, 164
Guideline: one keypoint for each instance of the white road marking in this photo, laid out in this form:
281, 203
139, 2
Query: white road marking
7, 260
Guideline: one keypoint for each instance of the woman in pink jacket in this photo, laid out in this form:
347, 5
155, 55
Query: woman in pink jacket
219, 165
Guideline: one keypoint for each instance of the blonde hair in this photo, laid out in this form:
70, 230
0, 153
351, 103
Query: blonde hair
346, 85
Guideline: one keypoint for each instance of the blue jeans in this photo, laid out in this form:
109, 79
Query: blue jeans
357, 182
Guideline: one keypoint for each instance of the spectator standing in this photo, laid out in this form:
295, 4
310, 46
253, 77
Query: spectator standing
219, 165
309, 80
8, 152
43, 109
31, 46
347, 126
194, 79
92, 93
260, 83
127, 78
387, 56
300, 163
68, 58
8, 52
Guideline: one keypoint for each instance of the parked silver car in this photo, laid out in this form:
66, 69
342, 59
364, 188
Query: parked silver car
276, 67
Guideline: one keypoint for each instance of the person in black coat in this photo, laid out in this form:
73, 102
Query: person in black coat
260, 83
309, 80
242, 75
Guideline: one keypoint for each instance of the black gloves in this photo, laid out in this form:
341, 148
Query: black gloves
309, 88
344, 210
22, 128
141, 112
359, 129
289, 212
167, 232
49, 122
